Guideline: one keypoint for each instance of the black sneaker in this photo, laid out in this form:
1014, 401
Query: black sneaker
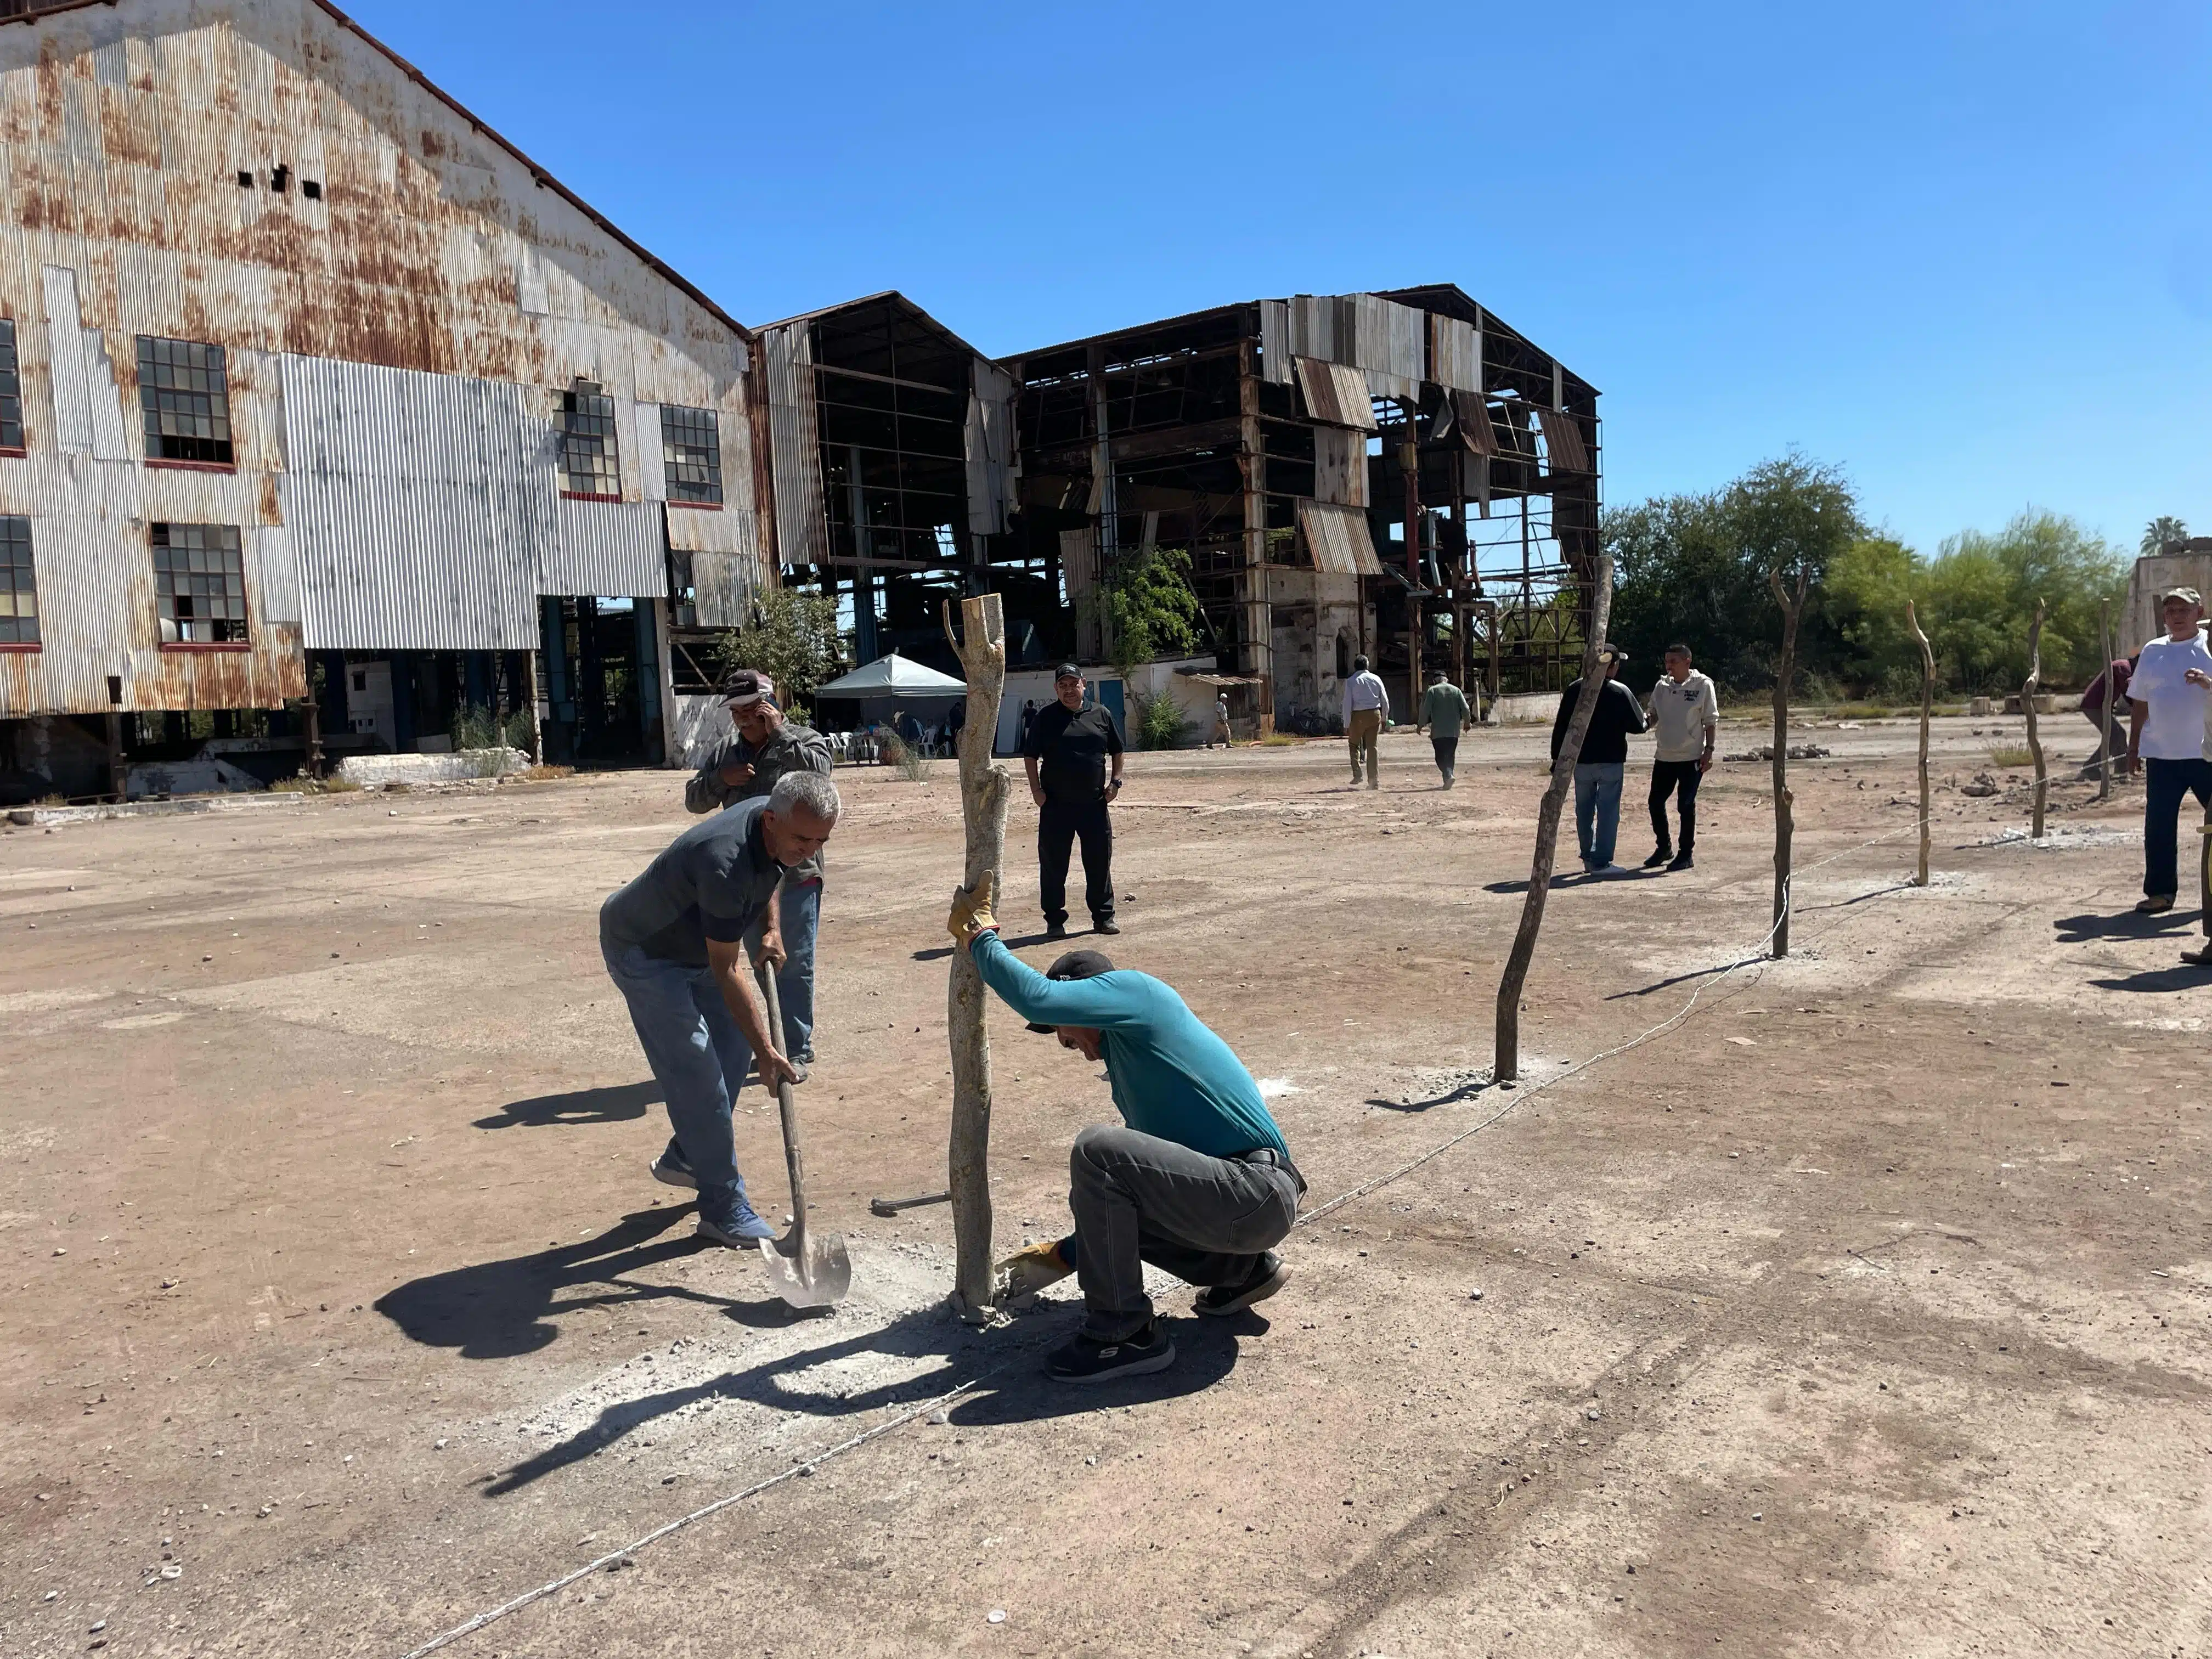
1268, 1277
1104, 925
1087, 1359
1053, 930
1659, 856
673, 1168
1683, 861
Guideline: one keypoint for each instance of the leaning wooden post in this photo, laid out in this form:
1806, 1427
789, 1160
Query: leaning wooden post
1785, 824
1927, 708
1506, 1066
2105, 644
2028, 692
982, 650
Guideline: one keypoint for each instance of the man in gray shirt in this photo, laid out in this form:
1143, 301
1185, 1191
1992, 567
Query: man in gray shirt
767, 745
674, 943
1443, 711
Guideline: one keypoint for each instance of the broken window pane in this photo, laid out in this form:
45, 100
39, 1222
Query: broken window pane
589, 462
692, 449
11, 389
19, 589
186, 398
199, 572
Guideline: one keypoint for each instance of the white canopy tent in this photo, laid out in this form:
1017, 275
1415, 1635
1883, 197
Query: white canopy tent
893, 676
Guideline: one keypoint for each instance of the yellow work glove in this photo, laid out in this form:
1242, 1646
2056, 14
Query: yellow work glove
971, 913
1028, 1271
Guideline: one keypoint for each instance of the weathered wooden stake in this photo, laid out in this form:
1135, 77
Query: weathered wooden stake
981, 648
1784, 824
2027, 691
1927, 708
1506, 1066
2104, 645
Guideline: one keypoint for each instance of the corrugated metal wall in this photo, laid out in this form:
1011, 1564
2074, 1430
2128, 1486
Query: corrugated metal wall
802, 533
613, 548
993, 456
422, 508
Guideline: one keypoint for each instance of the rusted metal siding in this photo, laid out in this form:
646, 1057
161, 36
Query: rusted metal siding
1339, 465
422, 508
1336, 393
1454, 353
433, 248
801, 530
993, 456
1338, 538
1275, 341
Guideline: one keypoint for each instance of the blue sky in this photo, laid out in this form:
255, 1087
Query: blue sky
1962, 251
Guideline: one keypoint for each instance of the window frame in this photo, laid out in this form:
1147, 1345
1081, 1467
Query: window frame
13, 370
148, 440
245, 618
38, 642
669, 483
610, 441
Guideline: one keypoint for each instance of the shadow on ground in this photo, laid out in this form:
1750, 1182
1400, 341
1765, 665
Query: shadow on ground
2077, 930
2182, 978
618, 1103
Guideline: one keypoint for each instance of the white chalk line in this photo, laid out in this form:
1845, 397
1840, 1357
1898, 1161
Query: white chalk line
556, 1586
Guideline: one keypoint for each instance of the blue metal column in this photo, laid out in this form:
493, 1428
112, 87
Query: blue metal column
649, 675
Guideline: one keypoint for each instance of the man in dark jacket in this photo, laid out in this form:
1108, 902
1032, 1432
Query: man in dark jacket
1073, 756
766, 746
1604, 760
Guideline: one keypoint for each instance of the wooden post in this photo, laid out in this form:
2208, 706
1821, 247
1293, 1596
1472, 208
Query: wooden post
2027, 691
1785, 824
2105, 644
1927, 708
1506, 1065
983, 788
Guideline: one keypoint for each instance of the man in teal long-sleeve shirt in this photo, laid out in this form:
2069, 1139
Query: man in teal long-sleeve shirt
1196, 1180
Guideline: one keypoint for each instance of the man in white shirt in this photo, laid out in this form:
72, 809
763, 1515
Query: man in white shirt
1686, 719
1366, 706
2166, 728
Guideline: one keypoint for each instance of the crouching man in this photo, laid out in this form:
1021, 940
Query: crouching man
674, 944
1199, 1182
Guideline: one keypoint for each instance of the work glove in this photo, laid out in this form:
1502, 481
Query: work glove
1028, 1271
971, 913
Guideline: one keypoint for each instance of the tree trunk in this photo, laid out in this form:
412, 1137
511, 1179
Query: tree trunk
2028, 692
1927, 708
1506, 1066
982, 650
2105, 644
1785, 824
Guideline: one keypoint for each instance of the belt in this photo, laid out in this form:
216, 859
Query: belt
1269, 1155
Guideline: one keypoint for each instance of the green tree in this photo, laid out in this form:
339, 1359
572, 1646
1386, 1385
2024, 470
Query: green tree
1693, 568
792, 637
1978, 593
1147, 607
2161, 529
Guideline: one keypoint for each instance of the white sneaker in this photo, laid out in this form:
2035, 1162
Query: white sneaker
1604, 871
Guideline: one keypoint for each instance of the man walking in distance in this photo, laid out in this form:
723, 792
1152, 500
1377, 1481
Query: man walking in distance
2167, 727
1067, 755
1604, 760
1366, 706
1443, 711
1220, 734
767, 746
673, 941
1686, 717
1199, 1182
2111, 686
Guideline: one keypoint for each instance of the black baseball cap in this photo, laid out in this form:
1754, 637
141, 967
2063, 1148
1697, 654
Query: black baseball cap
1066, 671
1076, 964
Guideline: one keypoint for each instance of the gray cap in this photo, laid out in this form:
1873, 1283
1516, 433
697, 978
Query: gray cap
2188, 593
1066, 671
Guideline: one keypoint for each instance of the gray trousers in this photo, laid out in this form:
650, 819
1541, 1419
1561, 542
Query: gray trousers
1139, 1199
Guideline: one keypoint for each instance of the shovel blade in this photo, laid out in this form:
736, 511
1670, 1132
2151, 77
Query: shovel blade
816, 1274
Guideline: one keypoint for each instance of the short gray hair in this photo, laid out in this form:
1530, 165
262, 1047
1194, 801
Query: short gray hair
809, 791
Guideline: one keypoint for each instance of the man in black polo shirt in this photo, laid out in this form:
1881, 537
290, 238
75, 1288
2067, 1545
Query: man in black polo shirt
1068, 753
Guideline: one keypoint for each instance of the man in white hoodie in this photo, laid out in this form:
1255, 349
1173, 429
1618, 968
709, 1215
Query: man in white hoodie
1686, 720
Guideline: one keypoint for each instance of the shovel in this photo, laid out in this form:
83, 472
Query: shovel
806, 1270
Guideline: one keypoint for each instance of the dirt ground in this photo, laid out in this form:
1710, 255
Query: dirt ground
1865, 1310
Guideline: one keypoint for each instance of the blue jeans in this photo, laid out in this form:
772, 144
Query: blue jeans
2165, 782
694, 1048
799, 909
1597, 809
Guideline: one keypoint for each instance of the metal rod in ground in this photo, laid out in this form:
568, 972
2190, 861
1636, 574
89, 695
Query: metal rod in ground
1784, 823
1505, 1066
893, 1205
2028, 690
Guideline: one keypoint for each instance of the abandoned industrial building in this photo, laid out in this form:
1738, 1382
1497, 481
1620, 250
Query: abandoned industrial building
330, 423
